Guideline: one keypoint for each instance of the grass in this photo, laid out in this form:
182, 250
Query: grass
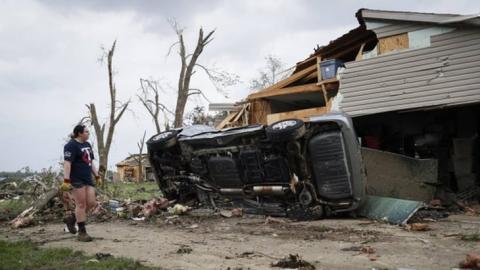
26, 255
474, 237
11, 208
133, 191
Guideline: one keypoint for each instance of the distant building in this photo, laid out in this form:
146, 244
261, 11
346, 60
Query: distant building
129, 170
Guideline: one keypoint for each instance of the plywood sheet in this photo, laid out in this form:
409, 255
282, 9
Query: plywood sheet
304, 114
393, 43
259, 109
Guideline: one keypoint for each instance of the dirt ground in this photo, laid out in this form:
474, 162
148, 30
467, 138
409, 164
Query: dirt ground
212, 242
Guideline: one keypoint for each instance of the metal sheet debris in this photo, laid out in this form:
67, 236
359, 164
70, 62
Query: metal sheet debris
391, 210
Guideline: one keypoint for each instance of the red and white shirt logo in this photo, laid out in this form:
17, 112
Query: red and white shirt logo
87, 155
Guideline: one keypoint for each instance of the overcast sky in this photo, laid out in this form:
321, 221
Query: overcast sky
49, 53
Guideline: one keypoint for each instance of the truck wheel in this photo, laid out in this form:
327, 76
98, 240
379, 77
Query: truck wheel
162, 140
285, 130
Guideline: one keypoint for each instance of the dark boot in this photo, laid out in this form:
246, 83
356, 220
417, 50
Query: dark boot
70, 221
84, 237
82, 233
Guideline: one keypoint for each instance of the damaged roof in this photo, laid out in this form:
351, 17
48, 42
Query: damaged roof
418, 17
132, 160
349, 42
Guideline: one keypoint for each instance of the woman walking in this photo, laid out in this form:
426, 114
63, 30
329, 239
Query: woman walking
78, 169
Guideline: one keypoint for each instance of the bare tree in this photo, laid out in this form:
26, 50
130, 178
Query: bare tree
270, 74
187, 69
139, 158
117, 109
150, 98
198, 116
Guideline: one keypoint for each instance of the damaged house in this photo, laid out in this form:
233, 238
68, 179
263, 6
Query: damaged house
411, 83
135, 168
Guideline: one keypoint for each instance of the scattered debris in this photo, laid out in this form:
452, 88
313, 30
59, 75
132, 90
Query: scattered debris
470, 210
368, 249
93, 261
352, 248
113, 204
468, 194
391, 210
172, 220
178, 209
361, 249
293, 261
364, 249
373, 257
184, 250
22, 221
193, 226
472, 261
235, 212
435, 203
26, 218
134, 209
418, 227
151, 207
121, 212
429, 214
272, 220
247, 254
98, 211
102, 256
226, 213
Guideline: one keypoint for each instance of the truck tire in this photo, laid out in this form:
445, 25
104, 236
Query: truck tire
162, 140
285, 130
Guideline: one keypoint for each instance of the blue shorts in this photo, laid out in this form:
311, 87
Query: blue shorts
78, 183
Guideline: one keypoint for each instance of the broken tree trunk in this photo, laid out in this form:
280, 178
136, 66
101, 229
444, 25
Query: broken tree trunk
27, 216
116, 112
187, 70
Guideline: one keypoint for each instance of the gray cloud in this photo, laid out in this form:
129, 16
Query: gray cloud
49, 51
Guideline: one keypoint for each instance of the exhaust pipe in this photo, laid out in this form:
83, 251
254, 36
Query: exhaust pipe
270, 190
231, 191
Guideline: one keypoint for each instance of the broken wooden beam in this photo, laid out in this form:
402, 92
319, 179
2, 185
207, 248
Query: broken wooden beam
283, 83
305, 88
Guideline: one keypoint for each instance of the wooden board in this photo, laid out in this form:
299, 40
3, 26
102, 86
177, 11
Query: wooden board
393, 43
226, 120
259, 109
319, 71
312, 76
305, 88
283, 83
311, 87
299, 114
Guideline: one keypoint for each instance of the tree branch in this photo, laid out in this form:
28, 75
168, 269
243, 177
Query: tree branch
122, 110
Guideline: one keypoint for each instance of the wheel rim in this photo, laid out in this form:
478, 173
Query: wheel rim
162, 135
284, 124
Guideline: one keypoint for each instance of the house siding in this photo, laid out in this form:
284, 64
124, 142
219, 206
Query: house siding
395, 29
446, 73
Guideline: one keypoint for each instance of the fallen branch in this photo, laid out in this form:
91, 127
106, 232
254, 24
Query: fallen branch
26, 218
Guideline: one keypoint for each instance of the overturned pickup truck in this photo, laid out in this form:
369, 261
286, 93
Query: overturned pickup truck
301, 169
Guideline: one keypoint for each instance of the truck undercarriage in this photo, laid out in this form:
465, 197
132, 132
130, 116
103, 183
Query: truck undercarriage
287, 168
